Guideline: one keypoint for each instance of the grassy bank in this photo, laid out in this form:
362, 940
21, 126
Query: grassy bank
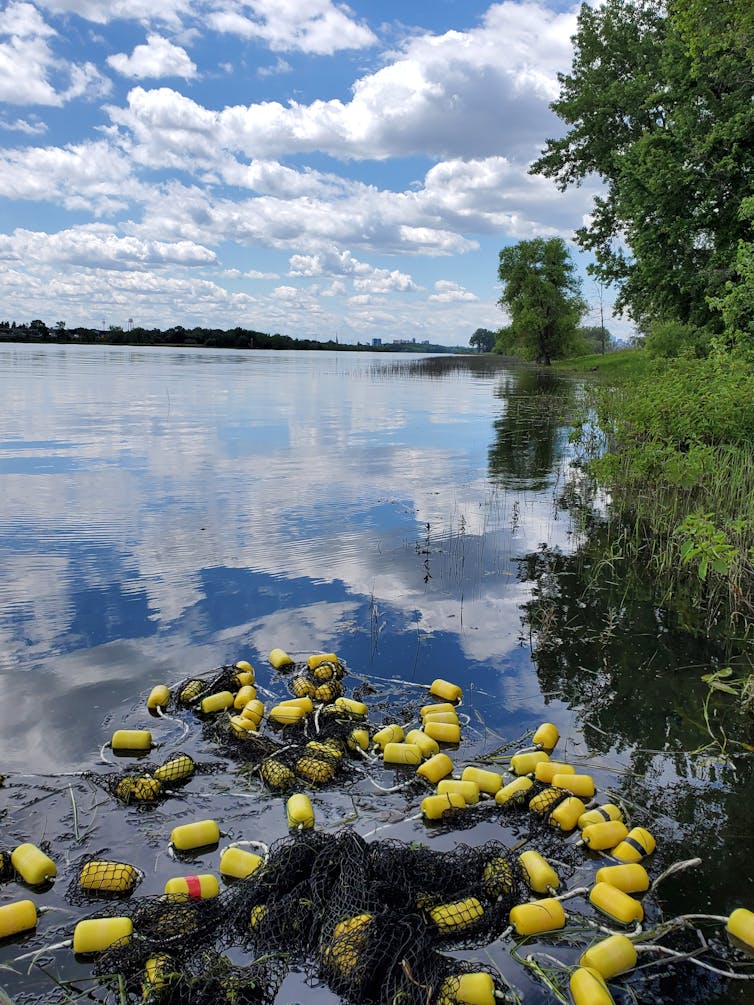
617, 367
677, 458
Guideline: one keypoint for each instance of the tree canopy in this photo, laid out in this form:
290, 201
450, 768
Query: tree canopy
659, 105
542, 294
483, 340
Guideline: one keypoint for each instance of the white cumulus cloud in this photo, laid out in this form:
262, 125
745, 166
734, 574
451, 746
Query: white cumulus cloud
98, 246
158, 57
105, 11
314, 26
448, 292
30, 73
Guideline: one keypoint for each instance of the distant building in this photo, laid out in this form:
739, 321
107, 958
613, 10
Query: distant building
376, 342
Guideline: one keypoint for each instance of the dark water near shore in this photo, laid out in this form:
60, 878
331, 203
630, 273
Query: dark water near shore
163, 512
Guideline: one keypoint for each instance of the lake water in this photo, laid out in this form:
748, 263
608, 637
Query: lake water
165, 511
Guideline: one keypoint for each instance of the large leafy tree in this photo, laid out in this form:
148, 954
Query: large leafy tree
659, 105
542, 294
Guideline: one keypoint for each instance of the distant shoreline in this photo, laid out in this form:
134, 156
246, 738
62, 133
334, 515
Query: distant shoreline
204, 338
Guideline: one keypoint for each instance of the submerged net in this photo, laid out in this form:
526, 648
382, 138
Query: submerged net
370, 920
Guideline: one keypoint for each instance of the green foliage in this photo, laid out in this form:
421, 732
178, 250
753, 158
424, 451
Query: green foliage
483, 340
705, 545
542, 294
659, 104
594, 338
679, 466
670, 339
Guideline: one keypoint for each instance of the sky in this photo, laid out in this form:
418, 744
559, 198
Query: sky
293, 166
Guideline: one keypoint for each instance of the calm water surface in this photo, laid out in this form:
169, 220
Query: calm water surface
163, 512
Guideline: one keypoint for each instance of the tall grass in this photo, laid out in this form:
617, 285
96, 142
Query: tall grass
677, 458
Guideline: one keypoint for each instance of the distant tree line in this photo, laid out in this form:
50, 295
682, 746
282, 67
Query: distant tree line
211, 338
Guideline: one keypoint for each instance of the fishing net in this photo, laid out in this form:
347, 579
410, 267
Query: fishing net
6, 867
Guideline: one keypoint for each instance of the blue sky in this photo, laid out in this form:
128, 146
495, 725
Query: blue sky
299, 166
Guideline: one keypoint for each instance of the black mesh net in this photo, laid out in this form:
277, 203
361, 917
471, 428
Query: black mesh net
6, 867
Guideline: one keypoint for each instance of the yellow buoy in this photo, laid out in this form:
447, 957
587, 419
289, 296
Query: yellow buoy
476, 988
32, 865
740, 925
514, 792
95, 935
637, 844
443, 732
545, 800
631, 877
159, 974
392, 733
526, 762
456, 916
608, 811
175, 769
487, 781
286, 715
200, 834
602, 836
546, 736
108, 877
304, 703
436, 768
127, 740
497, 877
434, 807
565, 816
441, 717
314, 770
241, 726
237, 863
587, 987
217, 702
545, 770
299, 812
17, 917
138, 789
245, 694
615, 904
253, 709
329, 691
537, 916
244, 666
279, 659
539, 874
401, 753
302, 687
610, 957
426, 744
191, 690
317, 660
201, 887
579, 785
349, 939
276, 775
440, 688
468, 790
358, 738
351, 707
322, 749
443, 706
159, 697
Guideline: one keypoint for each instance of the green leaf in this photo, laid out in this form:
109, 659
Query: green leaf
703, 568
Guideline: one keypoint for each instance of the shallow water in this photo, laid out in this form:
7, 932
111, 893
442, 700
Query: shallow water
168, 511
